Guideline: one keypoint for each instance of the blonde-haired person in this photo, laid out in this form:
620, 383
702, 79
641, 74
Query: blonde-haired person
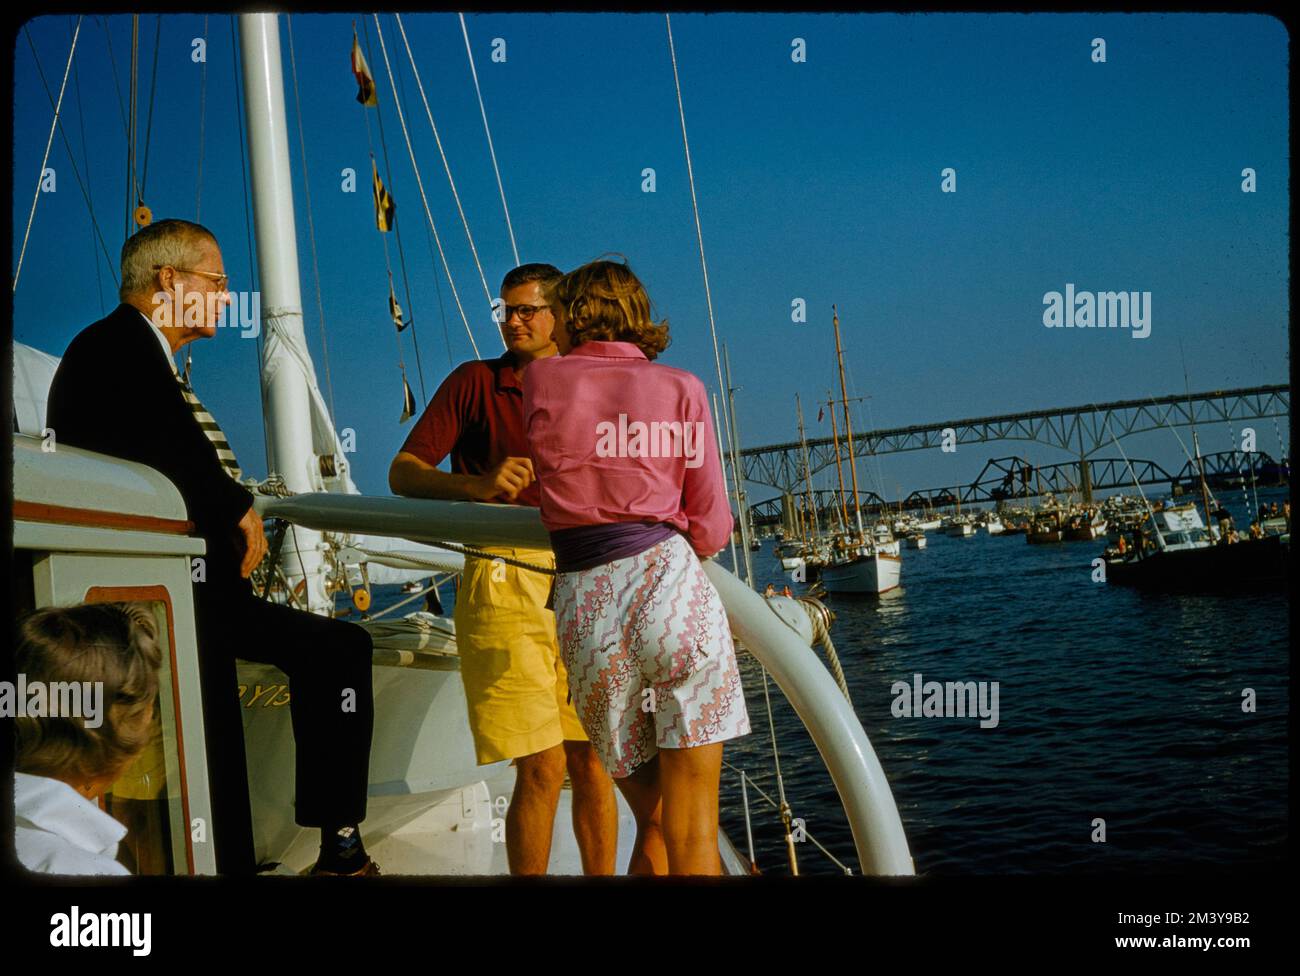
633, 497
63, 763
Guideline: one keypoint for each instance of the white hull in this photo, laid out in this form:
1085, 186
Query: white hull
916, 542
994, 528
791, 563
961, 530
865, 574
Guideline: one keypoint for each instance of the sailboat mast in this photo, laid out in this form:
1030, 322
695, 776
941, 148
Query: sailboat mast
807, 470
736, 475
839, 468
285, 393
848, 422
1205, 489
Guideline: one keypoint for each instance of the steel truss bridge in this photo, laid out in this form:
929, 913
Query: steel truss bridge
1081, 430
1010, 480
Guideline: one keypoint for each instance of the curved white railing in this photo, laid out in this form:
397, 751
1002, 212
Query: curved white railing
864, 791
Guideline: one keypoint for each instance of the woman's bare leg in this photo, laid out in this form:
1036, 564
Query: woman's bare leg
689, 780
641, 790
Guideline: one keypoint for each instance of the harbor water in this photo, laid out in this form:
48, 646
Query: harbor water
1114, 705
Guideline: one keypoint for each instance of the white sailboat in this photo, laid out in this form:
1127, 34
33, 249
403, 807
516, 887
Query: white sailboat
859, 562
92, 527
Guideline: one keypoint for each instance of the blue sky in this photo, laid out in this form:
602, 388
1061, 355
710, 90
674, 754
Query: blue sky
816, 180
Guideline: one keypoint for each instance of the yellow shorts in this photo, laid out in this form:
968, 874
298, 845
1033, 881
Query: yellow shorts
516, 687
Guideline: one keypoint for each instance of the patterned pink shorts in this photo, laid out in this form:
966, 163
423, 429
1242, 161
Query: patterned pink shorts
649, 654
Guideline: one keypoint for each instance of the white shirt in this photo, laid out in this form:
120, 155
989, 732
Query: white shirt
162, 339
59, 831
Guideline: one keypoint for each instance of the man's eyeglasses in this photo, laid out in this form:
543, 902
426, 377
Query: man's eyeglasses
221, 279
525, 312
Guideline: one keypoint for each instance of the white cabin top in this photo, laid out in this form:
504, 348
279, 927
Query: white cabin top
69, 477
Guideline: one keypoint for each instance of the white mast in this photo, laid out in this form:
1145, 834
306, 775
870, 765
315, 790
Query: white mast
286, 384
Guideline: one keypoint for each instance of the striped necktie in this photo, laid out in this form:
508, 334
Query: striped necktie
209, 426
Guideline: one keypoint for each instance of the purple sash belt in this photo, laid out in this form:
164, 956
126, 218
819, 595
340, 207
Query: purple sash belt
587, 546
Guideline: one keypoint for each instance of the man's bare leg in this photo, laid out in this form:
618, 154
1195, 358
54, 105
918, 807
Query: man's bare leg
595, 812
641, 790
530, 820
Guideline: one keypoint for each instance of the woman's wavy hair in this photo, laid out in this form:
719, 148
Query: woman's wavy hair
113, 643
603, 301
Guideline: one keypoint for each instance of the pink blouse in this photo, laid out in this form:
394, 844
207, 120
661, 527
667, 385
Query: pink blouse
616, 438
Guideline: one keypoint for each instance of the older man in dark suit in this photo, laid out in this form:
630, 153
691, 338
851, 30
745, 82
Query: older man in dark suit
117, 391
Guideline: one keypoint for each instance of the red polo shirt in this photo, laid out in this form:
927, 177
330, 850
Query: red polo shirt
477, 416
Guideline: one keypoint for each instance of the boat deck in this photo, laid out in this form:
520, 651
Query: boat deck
462, 834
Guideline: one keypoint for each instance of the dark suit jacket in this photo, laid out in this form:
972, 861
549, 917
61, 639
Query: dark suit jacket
115, 393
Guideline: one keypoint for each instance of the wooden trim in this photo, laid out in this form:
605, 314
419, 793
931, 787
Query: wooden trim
25, 511
129, 594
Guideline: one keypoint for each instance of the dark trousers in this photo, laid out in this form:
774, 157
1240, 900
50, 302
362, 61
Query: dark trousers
323, 659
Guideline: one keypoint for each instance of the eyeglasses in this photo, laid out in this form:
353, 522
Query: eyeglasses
221, 279
525, 312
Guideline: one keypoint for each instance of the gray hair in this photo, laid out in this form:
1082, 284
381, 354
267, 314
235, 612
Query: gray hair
164, 242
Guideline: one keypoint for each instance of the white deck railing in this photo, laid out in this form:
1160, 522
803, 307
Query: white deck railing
864, 791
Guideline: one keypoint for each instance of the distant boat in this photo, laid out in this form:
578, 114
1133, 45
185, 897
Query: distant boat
867, 570
1185, 557
915, 541
1085, 526
960, 527
1045, 528
993, 525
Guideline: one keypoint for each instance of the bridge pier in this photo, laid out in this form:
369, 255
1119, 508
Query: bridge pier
1085, 480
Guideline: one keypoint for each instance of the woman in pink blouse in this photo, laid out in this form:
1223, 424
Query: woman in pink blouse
633, 497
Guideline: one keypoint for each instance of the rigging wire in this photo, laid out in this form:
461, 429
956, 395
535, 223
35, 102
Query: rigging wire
695, 206
131, 195
203, 121
153, 90
491, 149
728, 419
83, 185
311, 225
49, 142
773, 804
397, 225
401, 250
388, 262
487, 292
85, 161
117, 83
866, 428
433, 260
424, 199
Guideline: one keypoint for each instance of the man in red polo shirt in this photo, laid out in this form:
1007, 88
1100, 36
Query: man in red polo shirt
516, 687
